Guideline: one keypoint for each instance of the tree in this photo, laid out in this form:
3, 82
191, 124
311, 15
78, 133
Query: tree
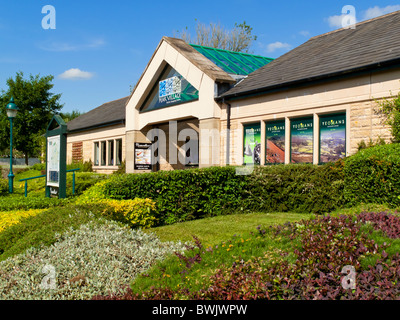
238, 39
390, 110
37, 105
68, 116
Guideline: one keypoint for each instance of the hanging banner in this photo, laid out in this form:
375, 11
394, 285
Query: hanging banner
301, 140
252, 144
332, 139
275, 142
142, 156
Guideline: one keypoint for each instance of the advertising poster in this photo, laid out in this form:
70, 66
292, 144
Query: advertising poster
301, 139
252, 144
142, 156
332, 138
53, 161
275, 142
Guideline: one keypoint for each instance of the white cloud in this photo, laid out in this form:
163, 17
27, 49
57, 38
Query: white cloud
304, 33
64, 46
370, 13
378, 11
278, 45
76, 74
335, 21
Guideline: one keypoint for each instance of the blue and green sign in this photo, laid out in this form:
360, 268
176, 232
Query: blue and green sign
170, 89
332, 139
252, 144
301, 140
275, 142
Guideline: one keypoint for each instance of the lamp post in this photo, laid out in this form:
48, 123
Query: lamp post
11, 110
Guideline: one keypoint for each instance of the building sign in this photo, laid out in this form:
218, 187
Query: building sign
142, 156
275, 142
252, 144
301, 140
171, 89
56, 158
332, 139
53, 161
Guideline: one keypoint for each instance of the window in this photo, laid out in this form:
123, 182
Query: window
96, 153
118, 151
108, 152
103, 153
110, 159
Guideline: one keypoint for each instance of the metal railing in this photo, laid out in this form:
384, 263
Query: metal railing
44, 176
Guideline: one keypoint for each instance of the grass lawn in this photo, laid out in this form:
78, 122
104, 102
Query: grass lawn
213, 230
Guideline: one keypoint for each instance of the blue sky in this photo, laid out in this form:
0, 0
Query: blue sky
99, 49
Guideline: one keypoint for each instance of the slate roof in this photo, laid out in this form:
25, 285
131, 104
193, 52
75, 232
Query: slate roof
372, 45
107, 114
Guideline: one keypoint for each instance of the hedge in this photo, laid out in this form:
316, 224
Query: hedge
372, 175
182, 195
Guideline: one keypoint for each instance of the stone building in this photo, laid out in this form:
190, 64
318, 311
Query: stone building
198, 106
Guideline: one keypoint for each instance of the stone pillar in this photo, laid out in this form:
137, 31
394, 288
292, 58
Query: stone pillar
209, 142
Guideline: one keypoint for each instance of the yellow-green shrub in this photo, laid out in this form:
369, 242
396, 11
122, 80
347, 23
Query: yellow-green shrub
92, 194
10, 218
137, 213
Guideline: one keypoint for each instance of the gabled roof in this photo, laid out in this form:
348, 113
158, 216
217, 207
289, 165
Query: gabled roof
372, 45
237, 63
110, 113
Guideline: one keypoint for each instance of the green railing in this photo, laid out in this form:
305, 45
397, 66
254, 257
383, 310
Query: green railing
44, 176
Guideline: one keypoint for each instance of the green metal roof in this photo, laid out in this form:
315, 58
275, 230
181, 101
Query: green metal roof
233, 62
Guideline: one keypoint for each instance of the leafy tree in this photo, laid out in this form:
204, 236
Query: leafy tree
37, 105
238, 39
390, 109
68, 116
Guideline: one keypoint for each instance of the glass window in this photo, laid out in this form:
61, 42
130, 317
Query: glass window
110, 159
118, 151
103, 153
96, 153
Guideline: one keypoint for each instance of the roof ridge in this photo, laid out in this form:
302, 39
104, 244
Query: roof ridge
357, 24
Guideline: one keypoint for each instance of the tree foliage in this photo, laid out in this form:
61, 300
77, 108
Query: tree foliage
37, 105
238, 39
390, 109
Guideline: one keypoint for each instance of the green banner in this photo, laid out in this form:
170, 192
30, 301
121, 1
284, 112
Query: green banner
332, 139
275, 142
252, 144
170, 89
301, 140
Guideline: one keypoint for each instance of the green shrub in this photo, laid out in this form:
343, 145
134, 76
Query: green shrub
44, 228
19, 202
3, 187
136, 213
372, 176
182, 195
296, 188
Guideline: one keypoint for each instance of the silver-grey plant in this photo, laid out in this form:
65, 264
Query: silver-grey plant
97, 259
